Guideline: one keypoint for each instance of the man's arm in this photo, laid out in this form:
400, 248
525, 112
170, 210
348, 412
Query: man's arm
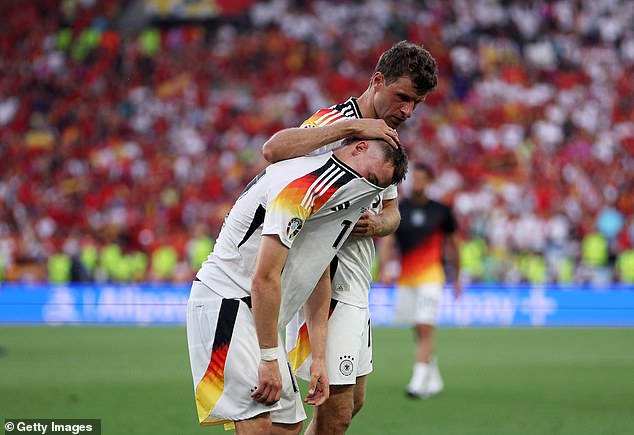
316, 314
299, 141
266, 295
383, 224
453, 240
387, 264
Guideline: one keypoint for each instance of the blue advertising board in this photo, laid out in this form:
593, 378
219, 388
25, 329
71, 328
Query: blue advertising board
522, 305
165, 304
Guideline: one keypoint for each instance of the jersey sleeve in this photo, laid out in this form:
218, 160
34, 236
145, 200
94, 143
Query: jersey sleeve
324, 117
320, 118
287, 211
390, 192
297, 200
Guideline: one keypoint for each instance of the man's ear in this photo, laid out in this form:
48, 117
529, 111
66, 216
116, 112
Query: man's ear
378, 80
360, 147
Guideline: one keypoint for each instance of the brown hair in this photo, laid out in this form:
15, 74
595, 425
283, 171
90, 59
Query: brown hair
396, 156
406, 59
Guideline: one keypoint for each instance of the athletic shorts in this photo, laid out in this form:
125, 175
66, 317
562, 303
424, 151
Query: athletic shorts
225, 355
418, 305
348, 344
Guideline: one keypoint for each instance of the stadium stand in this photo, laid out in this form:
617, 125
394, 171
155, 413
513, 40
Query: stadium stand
122, 150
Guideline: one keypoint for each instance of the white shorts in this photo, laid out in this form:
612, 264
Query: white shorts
225, 355
348, 344
418, 305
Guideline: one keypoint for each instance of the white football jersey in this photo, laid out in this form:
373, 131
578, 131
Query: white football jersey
352, 277
311, 204
353, 264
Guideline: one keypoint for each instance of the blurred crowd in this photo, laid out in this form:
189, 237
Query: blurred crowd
122, 151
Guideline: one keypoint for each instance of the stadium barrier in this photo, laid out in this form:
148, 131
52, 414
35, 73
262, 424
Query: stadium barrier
165, 304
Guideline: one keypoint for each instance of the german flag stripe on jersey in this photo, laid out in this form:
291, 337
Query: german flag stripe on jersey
422, 265
304, 196
302, 349
323, 117
335, 113
211, 386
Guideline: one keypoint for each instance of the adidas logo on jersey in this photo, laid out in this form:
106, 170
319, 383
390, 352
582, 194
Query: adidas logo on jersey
340, 207
341, 287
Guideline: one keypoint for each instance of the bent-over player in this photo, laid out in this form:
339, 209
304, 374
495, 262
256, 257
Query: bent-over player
273, 250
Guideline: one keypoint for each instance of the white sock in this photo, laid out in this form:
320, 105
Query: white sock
419, 377
433, 367
435, 380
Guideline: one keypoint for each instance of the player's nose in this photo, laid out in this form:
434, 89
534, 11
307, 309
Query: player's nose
408, 109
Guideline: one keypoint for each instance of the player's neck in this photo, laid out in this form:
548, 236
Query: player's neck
365, 105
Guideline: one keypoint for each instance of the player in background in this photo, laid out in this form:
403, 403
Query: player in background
402, 78
426, 235
270, 259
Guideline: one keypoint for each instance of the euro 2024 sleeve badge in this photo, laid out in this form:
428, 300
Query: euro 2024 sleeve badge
293, 227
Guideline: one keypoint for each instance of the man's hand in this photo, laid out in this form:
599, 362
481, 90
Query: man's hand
370, 128
389, 273
378, 225
269, 388
367, 226
318, 388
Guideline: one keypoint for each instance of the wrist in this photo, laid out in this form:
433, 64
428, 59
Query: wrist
349, 127
269, 354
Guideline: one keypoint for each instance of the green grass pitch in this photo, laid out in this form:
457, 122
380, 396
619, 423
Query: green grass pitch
497, 381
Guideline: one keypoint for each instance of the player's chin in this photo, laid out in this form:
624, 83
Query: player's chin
395, 122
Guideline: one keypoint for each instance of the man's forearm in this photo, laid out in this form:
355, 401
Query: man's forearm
266, 290
316, 313
266, 297
455, 254
296, 142
390, 218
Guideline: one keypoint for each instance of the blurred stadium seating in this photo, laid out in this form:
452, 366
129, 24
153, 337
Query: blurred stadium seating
126, 136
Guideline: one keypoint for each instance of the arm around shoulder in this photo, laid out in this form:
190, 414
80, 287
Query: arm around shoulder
299, 141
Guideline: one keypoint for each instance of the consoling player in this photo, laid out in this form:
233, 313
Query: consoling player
273, 250
403, 77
